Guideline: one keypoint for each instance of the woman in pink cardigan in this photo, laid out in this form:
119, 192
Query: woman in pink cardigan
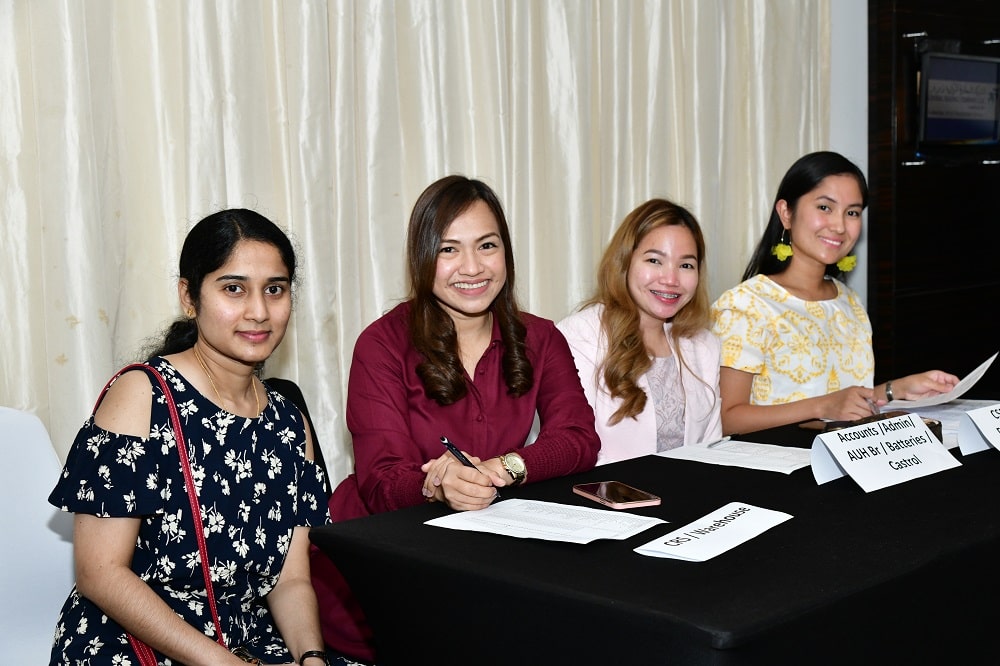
646, 356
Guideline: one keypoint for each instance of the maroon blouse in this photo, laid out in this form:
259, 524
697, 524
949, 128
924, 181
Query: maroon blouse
396, 428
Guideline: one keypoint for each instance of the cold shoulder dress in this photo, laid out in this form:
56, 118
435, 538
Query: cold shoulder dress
254, 486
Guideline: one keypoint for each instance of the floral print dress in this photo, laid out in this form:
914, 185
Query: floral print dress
254, 486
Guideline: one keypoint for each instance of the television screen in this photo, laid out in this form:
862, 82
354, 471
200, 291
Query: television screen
958, 99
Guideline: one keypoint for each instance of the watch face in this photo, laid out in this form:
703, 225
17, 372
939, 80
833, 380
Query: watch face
514, 462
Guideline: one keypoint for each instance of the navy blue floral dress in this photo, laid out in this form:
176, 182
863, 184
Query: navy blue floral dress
254, 486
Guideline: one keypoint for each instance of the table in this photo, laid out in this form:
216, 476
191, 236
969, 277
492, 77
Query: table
901, 575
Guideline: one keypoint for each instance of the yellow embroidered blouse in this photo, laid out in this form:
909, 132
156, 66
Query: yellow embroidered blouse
794, 348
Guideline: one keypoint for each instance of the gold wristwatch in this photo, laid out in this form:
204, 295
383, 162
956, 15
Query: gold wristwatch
514, 464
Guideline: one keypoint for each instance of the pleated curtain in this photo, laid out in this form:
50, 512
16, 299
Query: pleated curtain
124, 122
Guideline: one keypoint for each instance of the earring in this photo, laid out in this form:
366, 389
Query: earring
189, 313
847, 264
783, 249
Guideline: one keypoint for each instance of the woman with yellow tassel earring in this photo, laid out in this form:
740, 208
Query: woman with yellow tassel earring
796, 341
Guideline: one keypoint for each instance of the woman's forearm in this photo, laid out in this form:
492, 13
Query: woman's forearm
746, 418
296, 614
293, 600
128, 600
102, 551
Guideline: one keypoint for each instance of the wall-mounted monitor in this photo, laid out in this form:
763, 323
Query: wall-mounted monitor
958, 100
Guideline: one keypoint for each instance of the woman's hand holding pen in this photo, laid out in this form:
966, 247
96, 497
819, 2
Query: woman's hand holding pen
849, 404
858, 402
462, 488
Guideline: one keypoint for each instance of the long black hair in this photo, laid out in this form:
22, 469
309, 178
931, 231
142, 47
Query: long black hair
801, 178
207, 247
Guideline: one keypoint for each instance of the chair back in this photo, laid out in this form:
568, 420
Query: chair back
291, 391
36, 547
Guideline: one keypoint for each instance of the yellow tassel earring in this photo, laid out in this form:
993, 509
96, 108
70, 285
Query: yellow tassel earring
847, 264
782, 250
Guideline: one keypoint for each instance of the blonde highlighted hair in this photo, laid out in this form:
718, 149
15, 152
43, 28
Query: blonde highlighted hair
627, 358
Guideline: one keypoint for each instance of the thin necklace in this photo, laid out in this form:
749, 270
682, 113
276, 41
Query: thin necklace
215, 388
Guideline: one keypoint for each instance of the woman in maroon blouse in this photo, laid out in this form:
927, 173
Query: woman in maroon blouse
457, 360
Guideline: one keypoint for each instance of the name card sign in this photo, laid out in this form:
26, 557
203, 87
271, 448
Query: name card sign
723, 529
880, 454
979, 429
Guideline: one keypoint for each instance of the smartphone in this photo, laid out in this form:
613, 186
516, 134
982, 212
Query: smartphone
616, 494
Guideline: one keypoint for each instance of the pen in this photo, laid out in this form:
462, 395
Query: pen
461, 457
458, 454
873, 406
718, 441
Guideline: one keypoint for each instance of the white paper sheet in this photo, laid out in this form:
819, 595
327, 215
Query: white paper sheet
963, 385
752, 455
950, 415
714, 534
532, 519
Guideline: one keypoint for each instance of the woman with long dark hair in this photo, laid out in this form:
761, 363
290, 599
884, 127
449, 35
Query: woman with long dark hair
458, 360
796, 340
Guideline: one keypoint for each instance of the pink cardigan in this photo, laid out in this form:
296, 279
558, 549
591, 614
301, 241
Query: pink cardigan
634, 437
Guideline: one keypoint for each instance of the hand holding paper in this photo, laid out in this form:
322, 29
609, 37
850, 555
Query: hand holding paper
963, 385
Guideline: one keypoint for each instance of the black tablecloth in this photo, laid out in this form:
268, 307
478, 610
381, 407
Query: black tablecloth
902, 574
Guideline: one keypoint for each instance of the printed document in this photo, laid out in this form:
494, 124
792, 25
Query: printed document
963, 385
768, 457
532, 519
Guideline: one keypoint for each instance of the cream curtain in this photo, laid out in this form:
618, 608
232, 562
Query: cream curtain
125, 121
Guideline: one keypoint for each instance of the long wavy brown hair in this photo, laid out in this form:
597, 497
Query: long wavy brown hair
627, 358
431, 328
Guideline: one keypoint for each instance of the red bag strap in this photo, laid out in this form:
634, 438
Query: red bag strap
192, 491
145, 653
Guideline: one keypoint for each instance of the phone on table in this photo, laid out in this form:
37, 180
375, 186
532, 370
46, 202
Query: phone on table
616, 494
